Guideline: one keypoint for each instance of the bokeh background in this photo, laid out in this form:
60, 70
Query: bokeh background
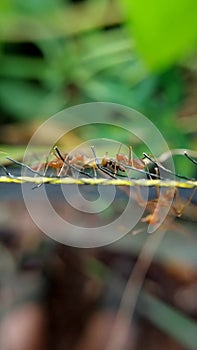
58, 53
55, 54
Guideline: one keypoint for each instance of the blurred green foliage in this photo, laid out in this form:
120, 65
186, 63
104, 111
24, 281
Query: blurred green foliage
164, 30
56, 53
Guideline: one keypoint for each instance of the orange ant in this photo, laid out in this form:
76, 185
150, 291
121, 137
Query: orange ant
59, 163
77, 163
112, 167
106, 166
117, 167
56, 163
72, 163
134, 163
63, 163
177, 208
162, 201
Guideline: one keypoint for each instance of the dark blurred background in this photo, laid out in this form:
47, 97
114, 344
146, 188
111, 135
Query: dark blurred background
58, 53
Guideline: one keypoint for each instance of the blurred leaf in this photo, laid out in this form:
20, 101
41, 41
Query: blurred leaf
109, 91
26, 100
165, 31
169, 320
17, 152
36, 6
63, 20
22, 67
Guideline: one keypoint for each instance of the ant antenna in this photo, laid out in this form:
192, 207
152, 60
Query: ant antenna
119, 148
190, 158
70, 165
95, 156
159, 165
154, 162
23, 165
130, 155
143, 171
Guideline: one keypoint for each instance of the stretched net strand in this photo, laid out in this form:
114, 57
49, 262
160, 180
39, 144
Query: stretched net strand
96, 181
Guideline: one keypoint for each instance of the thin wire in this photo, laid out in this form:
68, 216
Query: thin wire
98, 181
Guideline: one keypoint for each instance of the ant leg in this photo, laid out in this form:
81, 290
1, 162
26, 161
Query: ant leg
119, 148
62, 167
94, 171
131, 156
70, 165
140, 200
158, 190
141, 171
183, 206
154, 162
107, 172
46, 166
151, 206
100, 167
6, 171
160, 166
190, 158
95, 156
115, 168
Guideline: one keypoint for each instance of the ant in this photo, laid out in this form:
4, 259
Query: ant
64, 164
80, 162
70, 162
106, 166
134, 163
137, 164
163, 200
59, 163
117, 167
56, 163
160, 166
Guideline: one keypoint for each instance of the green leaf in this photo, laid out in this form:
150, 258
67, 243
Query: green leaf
165, 31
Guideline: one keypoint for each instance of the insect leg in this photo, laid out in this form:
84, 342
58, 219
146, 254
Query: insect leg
190, 158
160, 166
70, 165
